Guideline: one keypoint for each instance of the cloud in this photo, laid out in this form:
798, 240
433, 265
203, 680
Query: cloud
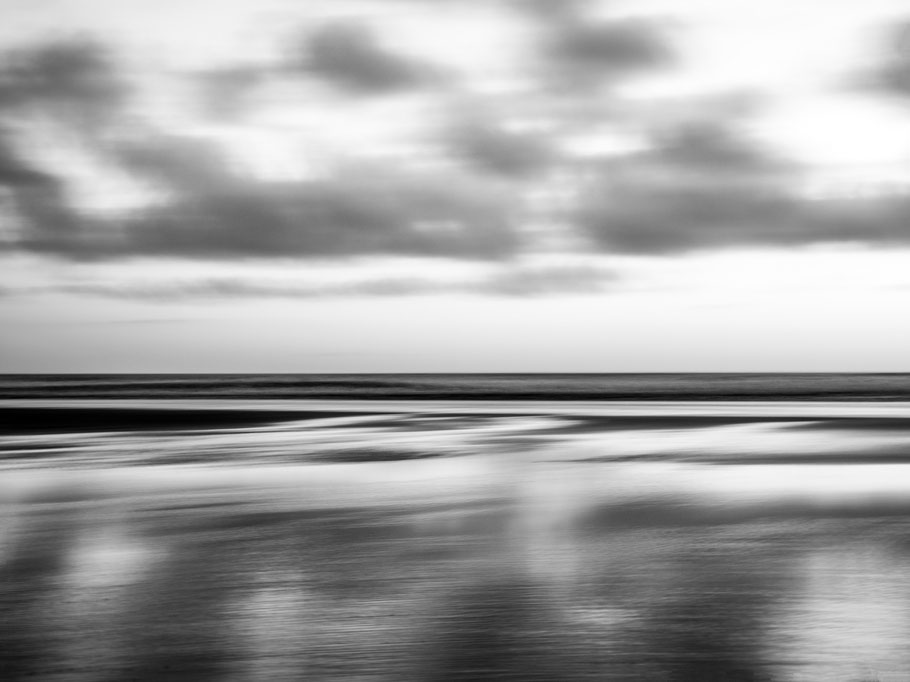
210, 208
577, 278
703, 188
224, 94
75, 84
75, 80
349, 54
641, 210
870, 220
493, 148
38, 200
713, 146
182, 163
895, 77
517, 278
213, 209
15, 172
657, 219
548, 10
584, 53
703, 185
891, 75
707, 185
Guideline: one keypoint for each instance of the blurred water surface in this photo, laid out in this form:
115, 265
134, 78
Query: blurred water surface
417, 541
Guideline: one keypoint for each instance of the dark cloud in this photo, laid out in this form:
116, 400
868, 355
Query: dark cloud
661, 218
76, 84
708, 185
15, 172
708, 200
703, 187
493, 148
695, 192
74, 80
703, 184
881, 220
209, 208
181, 163
38, 198
890, 73
584, 53
340, 217
213, 209
349, 54
548, 10
51, 225
895, 77
712, 146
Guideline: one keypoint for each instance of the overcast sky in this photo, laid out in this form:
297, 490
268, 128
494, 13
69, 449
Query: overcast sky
431, 185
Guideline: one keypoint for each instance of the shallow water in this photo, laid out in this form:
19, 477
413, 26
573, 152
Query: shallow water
418, 541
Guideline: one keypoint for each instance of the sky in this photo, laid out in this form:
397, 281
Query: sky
434, 186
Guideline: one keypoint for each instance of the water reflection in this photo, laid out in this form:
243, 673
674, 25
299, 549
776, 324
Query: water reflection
537, 568
35, 560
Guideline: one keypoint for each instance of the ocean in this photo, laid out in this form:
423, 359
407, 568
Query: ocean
455, 527
720, 386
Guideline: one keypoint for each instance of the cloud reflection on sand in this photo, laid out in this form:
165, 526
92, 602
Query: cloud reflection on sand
523, 546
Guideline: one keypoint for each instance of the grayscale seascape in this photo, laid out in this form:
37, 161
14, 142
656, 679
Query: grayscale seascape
447, 341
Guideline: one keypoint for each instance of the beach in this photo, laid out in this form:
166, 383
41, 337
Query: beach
247, 540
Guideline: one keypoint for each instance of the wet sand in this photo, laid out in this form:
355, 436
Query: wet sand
525, 549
